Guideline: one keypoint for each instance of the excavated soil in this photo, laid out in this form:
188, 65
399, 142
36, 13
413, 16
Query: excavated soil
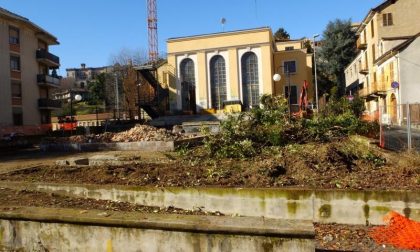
304, 166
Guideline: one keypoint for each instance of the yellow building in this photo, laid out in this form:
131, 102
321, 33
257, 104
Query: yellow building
385, 27
27, 75
206, 72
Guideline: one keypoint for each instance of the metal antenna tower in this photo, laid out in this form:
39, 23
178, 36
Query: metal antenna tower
152, 26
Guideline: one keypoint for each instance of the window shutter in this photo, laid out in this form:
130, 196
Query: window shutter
390, 20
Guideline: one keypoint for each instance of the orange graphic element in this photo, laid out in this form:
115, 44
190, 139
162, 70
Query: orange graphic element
399, 232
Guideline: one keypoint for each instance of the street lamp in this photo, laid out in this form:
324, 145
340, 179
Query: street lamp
77, 97
277, 78
138, 101
316, 78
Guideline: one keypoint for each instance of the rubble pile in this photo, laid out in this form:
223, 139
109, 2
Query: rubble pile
137, 134
144, 133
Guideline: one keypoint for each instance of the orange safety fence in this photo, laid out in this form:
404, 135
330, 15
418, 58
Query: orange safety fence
399, 232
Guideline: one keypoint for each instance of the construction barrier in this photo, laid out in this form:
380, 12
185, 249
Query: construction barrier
399, 232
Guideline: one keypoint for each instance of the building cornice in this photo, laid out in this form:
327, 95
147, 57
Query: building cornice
218, 34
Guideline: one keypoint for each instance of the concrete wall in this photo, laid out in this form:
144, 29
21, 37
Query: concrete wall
326, 206
132, 146
68, 230
409, 61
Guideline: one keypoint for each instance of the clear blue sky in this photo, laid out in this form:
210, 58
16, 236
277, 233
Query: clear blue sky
91, 30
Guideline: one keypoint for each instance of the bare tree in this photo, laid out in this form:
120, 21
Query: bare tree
128, 56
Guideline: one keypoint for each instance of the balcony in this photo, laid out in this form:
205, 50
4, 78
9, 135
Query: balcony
49, 104
361, 45
364, 70
378, 88
47, 80
47, 58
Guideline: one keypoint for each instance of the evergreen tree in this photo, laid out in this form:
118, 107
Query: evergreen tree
282, 34
338, 49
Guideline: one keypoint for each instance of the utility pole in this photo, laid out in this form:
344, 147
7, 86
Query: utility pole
117, 98
316, 76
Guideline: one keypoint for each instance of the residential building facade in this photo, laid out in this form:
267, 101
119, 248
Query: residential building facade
205, 72
383, 30
80, 77
27, 75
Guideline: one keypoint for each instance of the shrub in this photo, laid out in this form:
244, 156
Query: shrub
246, 134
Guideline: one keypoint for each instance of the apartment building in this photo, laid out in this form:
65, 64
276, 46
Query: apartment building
27, 75
384, 29
205, 72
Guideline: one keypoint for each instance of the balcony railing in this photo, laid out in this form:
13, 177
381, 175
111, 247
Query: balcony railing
47, 58
361, 44
46, 103
48, 80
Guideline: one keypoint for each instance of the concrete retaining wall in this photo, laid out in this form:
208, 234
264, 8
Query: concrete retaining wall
37, 229
325, 206
131, 146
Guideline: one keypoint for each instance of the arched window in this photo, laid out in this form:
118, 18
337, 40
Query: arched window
187, 71
250, 80
187, 84
218, 81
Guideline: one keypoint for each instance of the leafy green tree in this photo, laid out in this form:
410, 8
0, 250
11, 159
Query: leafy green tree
282, 34
338, 49
97, 89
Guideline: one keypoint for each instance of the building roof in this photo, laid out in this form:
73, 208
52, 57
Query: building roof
39, 31
265, 28
88, 68
396, 49
372, 12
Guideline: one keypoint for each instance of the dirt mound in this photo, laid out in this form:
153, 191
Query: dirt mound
135, 134
144, 133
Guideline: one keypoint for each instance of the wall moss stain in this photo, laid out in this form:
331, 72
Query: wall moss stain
292, 208
1, 234
366, 210
325, 211
267, 247
381, 209
407, 212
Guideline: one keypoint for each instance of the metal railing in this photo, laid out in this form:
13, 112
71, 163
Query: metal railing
44, 54
48, 79
48, 103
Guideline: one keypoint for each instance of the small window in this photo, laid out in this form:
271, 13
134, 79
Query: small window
290, 48
14, 63
16, 90
293, 97
373, 53
290, 66
387, 19
372, 28
13, 35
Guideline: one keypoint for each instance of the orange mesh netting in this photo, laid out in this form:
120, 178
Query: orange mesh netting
399, 232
